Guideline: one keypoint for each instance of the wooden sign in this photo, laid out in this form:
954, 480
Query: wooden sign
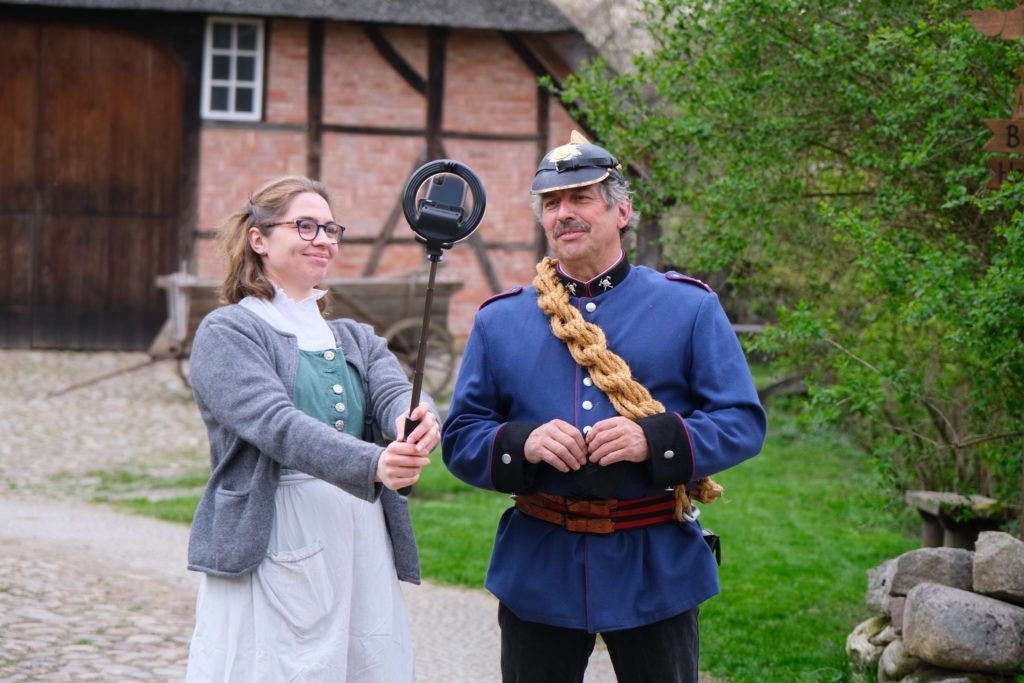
1008, 136
1001, 168
994, 22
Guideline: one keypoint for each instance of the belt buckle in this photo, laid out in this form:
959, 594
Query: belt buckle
587, 525
591, 507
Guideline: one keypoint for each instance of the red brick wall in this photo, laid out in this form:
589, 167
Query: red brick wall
487, 90
487, 87
361, 89
287, 71
234, 163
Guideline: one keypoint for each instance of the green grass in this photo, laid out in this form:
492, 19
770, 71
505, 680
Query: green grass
454, 525
800, 525
119, 480
179, 509
170, 508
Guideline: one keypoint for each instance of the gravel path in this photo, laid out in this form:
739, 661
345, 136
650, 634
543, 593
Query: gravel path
88, 593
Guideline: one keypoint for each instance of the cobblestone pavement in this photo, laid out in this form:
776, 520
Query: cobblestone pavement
88, 593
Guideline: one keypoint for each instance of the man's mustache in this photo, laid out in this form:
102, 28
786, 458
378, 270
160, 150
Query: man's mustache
562, 226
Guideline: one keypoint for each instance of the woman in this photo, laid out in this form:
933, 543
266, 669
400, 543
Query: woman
300, 532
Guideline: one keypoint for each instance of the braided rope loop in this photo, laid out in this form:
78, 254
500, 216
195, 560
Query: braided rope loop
611, 374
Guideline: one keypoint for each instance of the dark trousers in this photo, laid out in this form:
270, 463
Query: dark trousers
665, 651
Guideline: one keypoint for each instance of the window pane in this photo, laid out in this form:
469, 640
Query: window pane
222, 35
235, 53
246, 69
243, 100
219, 98
221, 67
246, 37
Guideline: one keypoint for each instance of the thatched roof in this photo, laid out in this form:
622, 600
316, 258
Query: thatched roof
503, 15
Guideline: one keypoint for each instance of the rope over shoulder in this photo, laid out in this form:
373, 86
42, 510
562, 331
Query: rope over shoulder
611, 374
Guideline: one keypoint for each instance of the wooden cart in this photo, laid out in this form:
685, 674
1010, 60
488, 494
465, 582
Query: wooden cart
392, 305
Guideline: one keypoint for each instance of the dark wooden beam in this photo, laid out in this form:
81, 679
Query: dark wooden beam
387, 231
409, 241
526, 55
315, 99
256, 125
543, 123
484, 258
437, 40
422, 132
392, 57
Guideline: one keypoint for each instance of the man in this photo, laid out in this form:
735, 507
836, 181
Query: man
590, 396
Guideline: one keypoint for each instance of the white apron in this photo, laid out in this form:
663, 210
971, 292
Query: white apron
324, 605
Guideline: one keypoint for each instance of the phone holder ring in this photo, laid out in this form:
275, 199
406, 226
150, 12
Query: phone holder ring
454, 227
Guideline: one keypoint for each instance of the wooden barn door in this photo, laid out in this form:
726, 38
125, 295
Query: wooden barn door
90, 153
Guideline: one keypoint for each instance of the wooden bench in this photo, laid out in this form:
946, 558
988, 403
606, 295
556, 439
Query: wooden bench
954, 521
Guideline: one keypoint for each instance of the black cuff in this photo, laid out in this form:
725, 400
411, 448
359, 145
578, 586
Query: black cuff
510, 471
668, 445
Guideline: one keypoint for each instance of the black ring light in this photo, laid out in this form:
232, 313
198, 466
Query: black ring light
439, 221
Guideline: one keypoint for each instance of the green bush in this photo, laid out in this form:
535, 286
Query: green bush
824, 160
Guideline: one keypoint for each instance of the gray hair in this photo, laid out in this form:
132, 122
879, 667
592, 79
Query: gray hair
613, 190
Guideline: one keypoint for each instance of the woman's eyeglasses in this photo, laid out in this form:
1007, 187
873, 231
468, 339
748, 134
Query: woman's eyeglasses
309, 229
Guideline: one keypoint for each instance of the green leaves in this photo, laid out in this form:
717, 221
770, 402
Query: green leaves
825, 160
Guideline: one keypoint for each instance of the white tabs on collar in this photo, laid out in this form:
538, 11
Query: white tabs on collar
301, 318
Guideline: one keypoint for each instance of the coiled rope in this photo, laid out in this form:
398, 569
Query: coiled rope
589, 347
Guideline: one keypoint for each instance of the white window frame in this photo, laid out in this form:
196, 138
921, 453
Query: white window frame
232, 83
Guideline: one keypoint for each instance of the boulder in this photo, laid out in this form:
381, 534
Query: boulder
931, 675
956, 629
896, 606
896, 662
884, 637
859, 648
879, 584
946, 566
999, 566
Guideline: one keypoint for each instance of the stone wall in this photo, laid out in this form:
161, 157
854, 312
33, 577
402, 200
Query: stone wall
946, 615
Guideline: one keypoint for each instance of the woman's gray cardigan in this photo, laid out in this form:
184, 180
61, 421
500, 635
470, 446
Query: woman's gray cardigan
243, 377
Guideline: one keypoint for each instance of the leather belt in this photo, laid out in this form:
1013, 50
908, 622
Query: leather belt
586, 516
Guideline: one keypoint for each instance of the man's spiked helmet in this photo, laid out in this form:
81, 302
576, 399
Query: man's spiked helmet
576, 164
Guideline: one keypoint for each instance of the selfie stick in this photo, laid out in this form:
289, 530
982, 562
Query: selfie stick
439, 221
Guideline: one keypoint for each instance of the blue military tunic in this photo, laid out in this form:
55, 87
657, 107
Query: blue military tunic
516, 375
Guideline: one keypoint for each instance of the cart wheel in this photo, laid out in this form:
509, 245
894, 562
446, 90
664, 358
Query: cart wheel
438, 366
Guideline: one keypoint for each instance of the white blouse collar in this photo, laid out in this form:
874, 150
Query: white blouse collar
300, 318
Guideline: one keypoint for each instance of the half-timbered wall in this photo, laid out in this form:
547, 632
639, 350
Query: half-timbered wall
379, 113
111, 177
